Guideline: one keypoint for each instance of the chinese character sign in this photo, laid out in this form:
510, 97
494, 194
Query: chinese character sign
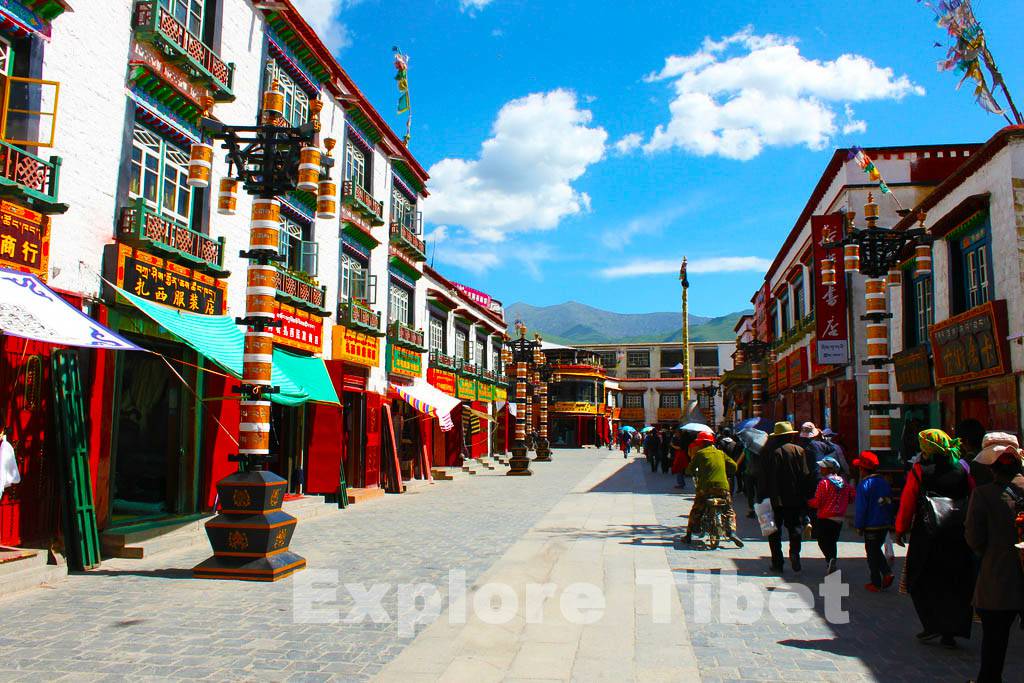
24, 239
833, 347
167, 283
298, 329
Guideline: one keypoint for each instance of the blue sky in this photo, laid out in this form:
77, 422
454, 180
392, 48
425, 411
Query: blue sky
579, 149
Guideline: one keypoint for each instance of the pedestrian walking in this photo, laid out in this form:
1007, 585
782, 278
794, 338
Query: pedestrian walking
624, 443
680, 457
814, 442
939, 566
665, 451
786, 480
874, 514
992, 533
831, 498
652, 448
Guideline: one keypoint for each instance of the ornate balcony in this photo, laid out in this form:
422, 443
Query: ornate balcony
443, 362
467, 369
31, 178
406, 240
357, 316
306, 295
363, 202
403, 335
154, 24
489, 376
143, 227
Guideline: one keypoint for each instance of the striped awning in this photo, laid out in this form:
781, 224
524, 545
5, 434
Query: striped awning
429, 401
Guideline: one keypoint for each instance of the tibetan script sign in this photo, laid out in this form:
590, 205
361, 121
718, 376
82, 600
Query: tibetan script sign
465, 388
403, 362
484, 391
575, 408
442, 380
145, 55
167, 283
913, 371
797, 365
830, 300
24, 239
298, 329
500, 394
971, 345
354, 347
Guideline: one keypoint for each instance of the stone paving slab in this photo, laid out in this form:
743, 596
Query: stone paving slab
148, 619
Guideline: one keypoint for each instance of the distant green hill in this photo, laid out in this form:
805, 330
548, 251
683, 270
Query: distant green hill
576, 323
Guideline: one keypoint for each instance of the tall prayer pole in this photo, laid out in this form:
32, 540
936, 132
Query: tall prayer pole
686, 337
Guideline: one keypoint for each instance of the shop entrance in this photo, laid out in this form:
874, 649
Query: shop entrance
973, 405
152, 477
355, 438
563, 432
288, 445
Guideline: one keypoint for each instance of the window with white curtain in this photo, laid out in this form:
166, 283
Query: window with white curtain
399, 305
159, 175
436, 334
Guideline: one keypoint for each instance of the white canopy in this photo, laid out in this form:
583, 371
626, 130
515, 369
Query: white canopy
30, 309
429, 400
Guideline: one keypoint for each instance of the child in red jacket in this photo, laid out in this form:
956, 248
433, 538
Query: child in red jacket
831, 499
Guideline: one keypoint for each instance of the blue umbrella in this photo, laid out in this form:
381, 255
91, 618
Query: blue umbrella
696, 427
762, 423
646, 429
627, 428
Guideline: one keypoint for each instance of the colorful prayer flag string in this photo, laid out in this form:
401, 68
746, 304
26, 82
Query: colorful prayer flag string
402, 79
864, 161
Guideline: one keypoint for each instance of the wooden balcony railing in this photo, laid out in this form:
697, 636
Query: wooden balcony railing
363, 202
443, 361
489, 376
358, 316
405, 239
403, 335
145, 227
153, 23
705, 371
301, 294
468, 369
36, 178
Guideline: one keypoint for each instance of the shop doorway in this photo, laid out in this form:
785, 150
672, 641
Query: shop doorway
563, 432
355, 438
973, 405
288, 445
150, 462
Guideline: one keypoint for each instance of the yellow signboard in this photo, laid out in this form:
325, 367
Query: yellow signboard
484, 391
500, 394
354, 347
465, 388
576, 408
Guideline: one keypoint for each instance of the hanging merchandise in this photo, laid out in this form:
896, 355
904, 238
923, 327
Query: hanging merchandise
9, 474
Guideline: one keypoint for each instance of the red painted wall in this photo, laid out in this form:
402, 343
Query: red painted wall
218, 440
323, 448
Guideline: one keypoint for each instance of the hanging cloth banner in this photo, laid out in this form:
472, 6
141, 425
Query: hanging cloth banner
833, 347
31, 310
430, 401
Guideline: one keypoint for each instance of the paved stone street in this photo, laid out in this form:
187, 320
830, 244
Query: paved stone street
589, 516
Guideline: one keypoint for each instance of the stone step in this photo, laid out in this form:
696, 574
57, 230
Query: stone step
362, 495
26, 570
448, 473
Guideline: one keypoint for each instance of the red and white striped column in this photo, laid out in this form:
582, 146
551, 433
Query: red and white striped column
877, 335
520, 402
756, 390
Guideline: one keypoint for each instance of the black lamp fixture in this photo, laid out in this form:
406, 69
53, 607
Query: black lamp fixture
520, 352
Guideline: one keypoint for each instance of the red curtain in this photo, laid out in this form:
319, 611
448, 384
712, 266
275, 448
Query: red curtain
218, 442
323, 449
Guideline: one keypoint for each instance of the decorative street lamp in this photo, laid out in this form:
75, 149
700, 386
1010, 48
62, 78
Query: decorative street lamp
251, 535
755, 350
520, 353
544, 374
875, 252
708, 393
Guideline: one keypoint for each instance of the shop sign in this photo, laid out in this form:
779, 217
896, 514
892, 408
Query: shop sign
404, 362
971, 345
465, 388
473, 295
24, 240
484, 391
913, 371
577, 408
816, 369
500, 394
670, 414
782, 373
167, 283
354, 347
298, 329
148, 56
797, 366
442, 380
632, 414
762, 300
830, 301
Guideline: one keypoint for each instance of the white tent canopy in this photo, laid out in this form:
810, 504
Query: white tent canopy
429, 400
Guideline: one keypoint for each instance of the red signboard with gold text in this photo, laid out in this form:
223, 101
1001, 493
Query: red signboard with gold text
971, 345
833, 347
442, 380
165, 282
24, 239
797, 365
299, 329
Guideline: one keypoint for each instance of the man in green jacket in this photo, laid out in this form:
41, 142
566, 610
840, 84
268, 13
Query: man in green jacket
711, 470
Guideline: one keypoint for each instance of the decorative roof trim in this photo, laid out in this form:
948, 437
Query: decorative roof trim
279, 52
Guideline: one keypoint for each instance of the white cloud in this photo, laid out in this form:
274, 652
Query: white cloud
476, 258
474, 261
721, 264
472, 6
437, 235
647, 224
324, 17
852, 125
740, 94
522, 179
629, 142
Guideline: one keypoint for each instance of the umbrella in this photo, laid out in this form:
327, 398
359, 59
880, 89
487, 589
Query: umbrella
753, 439
627, 428
760, 423
646, 429
696, 427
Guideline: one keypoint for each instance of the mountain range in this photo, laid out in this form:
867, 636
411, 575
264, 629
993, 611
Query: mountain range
576, 323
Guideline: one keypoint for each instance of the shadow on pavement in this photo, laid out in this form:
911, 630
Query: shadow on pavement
163, 573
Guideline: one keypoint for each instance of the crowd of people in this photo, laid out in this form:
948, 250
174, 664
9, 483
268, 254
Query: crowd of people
959, 513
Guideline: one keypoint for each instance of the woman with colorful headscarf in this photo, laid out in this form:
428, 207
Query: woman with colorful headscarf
939, 566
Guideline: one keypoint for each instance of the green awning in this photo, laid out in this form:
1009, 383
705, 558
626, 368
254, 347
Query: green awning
218, 338
310, 373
